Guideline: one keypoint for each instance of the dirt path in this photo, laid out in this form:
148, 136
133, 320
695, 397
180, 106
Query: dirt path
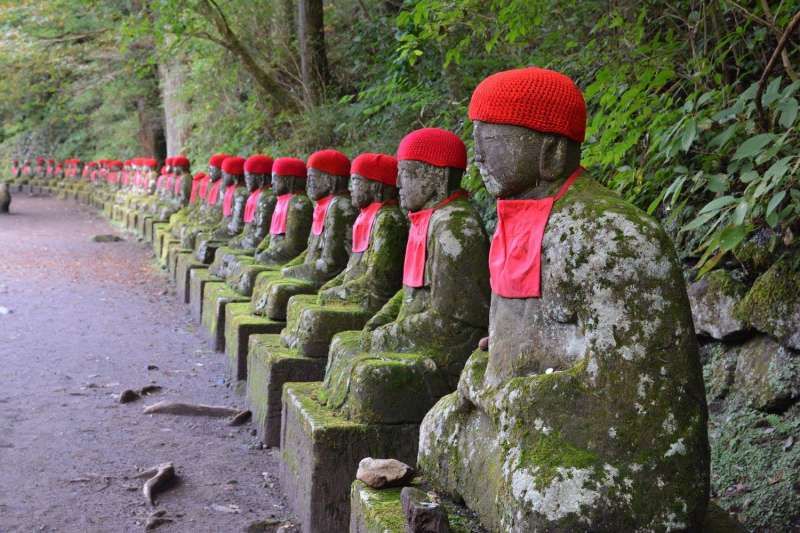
86, 321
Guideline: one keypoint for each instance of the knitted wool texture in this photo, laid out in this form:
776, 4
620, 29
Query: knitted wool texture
180, 161
233, 165
290, 167
376, 167
437, 147
535, 98
331, 162
217, 159
258, 164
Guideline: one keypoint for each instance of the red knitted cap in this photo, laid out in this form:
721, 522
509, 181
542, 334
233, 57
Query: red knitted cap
376, 167
289, 166
331, 162
258, 164
233, 165
217, 159
199, 176
437, 147
181, 161
534, 98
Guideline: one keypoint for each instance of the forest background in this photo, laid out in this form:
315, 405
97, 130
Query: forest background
693, 104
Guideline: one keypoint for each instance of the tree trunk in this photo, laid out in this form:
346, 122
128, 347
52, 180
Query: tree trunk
313, 58
176, 113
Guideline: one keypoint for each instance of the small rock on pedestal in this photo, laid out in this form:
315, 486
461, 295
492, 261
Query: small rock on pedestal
383, 473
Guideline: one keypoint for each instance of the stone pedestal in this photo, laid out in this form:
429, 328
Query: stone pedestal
320, 452
217, 296
269, 365
240, 325
198, 277
184, 264
310, 325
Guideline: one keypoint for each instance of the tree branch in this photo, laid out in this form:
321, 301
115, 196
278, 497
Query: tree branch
764, 75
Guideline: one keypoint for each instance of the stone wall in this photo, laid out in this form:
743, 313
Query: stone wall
750, 334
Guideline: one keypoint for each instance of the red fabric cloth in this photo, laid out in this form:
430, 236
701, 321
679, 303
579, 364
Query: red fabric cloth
362, 228
289, 167
376, 167
177, 185
534, 98
417, 244
233, 165
258, 164
277, 225
320, 212
251, 205
217, 159
213, 193
198, 186
437, 147
227, 200
331, 162
515, 256
180, 161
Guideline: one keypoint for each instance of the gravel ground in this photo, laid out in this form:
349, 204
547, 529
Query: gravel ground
81, 321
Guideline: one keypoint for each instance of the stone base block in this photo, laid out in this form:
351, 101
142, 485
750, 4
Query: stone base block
141, 220
198, 277
240, 325
269, 365
310, 326
320, 452
149, 228
217, 296
185, 263
173, 252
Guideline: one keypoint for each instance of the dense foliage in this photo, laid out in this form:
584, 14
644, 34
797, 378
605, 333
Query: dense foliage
671, 88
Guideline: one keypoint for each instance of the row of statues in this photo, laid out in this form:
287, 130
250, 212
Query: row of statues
546, 378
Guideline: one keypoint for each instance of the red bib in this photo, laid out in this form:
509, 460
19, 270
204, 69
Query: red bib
278, 224
515, 256
320, 211
213, 193
178, 185
251, 205
362, 228
417, 244
227, 200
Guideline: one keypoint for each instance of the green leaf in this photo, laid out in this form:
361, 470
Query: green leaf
772, 92
689, 134
718, 183
774, 201
788, 109
741, 212
753, 145
722, 139
731, 236
717, 204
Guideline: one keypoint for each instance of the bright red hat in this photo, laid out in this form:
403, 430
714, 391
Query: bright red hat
181, 161
289, 166
437, 147
376, 167
534, 98
115, 163
331, 162
258, 164
199, 176
152, 163
233, 165
217, 159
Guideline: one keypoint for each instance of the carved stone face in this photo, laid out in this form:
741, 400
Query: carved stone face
282, 184
363, 191
320, 184
517, 162
421, 185
253, 181
214, 173
228, 179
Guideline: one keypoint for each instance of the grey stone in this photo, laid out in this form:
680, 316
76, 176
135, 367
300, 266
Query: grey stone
713, 299
422, 515
768, 375
106, 238
383, 473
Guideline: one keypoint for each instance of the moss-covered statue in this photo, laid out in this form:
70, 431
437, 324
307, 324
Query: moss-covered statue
587, 412
234, 198
329, 241
373, 274
210, 212
259, 206
380, 382
288, 227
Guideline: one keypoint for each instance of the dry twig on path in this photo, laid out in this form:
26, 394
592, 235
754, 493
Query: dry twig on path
188, 409
163, 477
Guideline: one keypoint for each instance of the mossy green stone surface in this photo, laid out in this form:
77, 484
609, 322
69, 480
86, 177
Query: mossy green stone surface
240, 324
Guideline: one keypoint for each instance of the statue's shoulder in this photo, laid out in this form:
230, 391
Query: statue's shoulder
393, 215
460, 218
343, 204
300, 202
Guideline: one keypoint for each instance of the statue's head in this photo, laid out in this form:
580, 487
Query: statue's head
288, 175
215, 166
430, 165
181, 165
528, 128
232, 170
373, 178
328, 173
257, 172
